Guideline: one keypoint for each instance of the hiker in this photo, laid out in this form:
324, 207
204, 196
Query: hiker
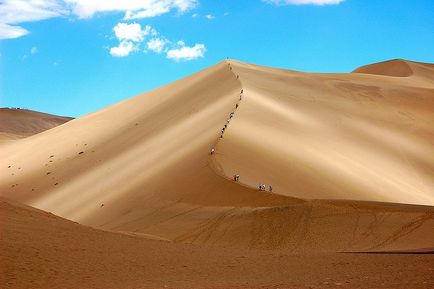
270, 188
212, 151
242, 90
241, 96
238, 76
236, 178
236, 106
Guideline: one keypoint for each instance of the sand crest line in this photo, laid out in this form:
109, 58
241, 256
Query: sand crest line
215, 166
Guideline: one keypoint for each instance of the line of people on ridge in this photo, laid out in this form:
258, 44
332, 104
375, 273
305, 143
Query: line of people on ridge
261, 187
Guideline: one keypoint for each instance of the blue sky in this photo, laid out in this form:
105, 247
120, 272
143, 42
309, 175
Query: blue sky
72, 57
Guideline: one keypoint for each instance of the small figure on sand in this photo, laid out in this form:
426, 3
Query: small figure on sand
261, 187
242, 90
236, 178
212, 151
270, 188
236, 106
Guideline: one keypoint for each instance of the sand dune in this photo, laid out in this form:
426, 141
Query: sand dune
144, 165
41, 250
398, 68
19, 123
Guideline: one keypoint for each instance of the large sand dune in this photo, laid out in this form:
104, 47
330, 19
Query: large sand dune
144, 165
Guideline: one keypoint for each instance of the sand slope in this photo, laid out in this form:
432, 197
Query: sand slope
19, 123
144, 165
41, 250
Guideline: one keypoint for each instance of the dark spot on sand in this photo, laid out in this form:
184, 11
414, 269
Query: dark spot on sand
52, 156
48, 173
81, 153
56, 184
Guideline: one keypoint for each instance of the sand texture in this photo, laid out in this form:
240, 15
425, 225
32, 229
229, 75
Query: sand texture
350, 158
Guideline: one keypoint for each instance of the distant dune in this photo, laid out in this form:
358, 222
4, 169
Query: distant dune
337, 150
398, 68
19, 123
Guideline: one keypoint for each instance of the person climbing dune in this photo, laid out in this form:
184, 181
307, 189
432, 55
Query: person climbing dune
212, 151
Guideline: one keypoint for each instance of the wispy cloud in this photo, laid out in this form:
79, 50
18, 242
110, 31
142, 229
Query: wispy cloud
304, 2
133, 9
210, 17
9, 31
13, 12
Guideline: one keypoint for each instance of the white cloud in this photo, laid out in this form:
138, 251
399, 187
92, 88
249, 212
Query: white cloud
195, 15
209, 17
184, 53
34, 50
21, 11
9, 31
304, 2
156, 44
133, 31
123, 49
130, 36
133, 9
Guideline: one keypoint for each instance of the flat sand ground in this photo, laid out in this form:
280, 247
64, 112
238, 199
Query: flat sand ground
350, 158
40, 250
